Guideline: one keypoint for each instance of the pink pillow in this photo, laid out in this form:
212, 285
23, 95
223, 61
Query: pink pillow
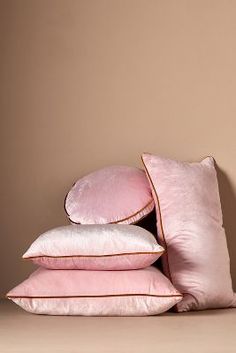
115, 194
95, 247
93, 293
190, 228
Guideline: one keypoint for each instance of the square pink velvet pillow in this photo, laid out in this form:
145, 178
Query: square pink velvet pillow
95, 247
96, 293
190, 228
116, 194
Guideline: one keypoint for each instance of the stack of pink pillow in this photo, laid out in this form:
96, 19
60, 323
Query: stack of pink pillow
103, 265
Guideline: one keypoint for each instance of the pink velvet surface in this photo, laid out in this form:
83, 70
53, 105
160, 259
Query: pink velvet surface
96, 263
95, 247
116, 194
78, 292
190, 228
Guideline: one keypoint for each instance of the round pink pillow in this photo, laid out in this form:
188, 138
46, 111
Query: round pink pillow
116, 194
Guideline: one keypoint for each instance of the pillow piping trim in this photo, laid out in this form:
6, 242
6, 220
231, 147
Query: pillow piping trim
99, 256
95, 296
160, 217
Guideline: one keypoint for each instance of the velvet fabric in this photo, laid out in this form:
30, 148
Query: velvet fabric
104, 293
189, 221
95, 247
116, 194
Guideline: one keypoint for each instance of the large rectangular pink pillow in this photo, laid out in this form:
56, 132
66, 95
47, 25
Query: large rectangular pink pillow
190, 228
96, 293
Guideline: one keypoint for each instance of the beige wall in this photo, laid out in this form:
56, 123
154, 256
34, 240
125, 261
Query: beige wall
91, 83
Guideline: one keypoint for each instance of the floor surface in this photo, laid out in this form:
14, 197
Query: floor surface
212, 331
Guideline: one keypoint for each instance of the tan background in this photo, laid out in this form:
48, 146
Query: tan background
91, 83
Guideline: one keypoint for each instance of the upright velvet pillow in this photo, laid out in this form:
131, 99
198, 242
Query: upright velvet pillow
190, 228
116, 194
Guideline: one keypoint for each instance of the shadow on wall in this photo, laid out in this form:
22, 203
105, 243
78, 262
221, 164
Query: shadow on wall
228, 202
149, 223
